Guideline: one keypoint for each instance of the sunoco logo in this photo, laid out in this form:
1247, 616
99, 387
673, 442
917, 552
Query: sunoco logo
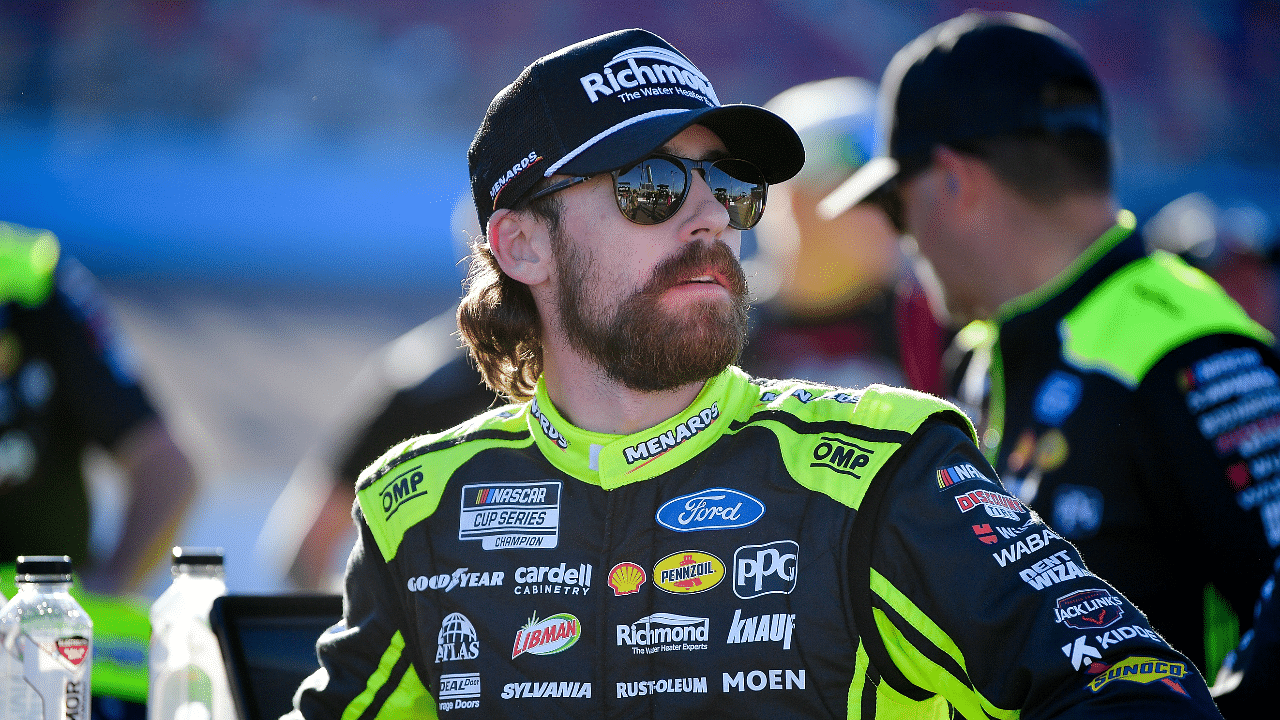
665, 632
511, 515
547, 637
658, 72
687, 572
402, 488
1088, 609
711, 509
547, 428
655, 446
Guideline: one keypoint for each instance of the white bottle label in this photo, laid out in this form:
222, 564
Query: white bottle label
59, 674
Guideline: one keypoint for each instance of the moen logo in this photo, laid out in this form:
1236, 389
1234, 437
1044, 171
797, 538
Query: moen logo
841, 456
547, 428
402, 488
547, 637
711, 509
626, 578
687, 572
1143, 670
659, 444
766, 569
668, 68
1091, 609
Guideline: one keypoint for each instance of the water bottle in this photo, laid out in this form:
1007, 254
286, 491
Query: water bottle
47, 645
188, 680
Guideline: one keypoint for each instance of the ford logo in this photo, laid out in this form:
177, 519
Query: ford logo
710, 509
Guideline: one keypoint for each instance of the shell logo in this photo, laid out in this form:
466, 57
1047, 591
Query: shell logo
626, 578
688, 572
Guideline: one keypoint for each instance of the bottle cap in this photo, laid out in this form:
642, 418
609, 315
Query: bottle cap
197, 556
43, 568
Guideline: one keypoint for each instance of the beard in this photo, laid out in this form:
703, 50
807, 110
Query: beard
644, 346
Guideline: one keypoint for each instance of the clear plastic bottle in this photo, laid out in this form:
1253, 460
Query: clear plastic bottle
188, 680
48, 645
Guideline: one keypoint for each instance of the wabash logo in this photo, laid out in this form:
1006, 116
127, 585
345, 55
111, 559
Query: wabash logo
401, 489
1091, 609
841, 456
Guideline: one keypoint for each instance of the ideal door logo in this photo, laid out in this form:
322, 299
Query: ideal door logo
766, 569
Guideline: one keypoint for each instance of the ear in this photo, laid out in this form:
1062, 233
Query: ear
966, 180
521, 246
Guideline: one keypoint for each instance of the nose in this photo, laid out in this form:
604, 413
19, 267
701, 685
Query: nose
708, 218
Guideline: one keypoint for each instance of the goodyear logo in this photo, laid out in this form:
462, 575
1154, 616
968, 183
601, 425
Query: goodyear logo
841, 456
688, 572
402, 488
1143, 670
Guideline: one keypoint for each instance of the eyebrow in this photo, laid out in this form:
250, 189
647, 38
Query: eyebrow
711, 155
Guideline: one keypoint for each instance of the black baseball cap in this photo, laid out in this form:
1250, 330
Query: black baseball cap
603, 104
976, 76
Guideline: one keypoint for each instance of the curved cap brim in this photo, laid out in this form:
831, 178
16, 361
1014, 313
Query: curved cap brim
860, 185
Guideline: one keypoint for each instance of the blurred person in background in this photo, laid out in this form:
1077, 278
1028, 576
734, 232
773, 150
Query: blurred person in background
68, 385
837, 302
1125, 397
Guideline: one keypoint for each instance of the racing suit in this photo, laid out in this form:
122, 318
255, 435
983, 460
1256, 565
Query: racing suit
778, 549
1135, 407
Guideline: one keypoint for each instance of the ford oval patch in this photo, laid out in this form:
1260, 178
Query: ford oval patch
710, 509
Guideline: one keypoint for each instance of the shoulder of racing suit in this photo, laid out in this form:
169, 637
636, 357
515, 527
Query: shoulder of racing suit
1143, 311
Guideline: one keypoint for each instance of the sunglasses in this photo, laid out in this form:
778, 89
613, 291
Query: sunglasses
652, 190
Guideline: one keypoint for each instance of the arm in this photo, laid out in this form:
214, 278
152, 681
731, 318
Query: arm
995, 612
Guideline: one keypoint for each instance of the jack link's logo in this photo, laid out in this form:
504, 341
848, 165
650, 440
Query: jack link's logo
664, 72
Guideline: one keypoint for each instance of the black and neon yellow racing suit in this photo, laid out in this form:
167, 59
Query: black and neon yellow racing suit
776, 550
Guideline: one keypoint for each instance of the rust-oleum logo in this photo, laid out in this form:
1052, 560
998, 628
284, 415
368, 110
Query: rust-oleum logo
402, 488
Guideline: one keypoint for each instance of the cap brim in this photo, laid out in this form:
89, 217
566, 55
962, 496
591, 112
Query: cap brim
749, 132
860, 185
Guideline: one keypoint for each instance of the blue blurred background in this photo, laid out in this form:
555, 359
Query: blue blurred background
267, 189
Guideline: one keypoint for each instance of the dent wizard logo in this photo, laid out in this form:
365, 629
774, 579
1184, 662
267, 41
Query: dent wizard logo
711, 509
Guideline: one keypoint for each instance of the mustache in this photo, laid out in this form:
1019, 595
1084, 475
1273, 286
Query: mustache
694, 259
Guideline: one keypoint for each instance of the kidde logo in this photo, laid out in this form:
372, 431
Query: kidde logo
547, 637
547, 428
687, 572
626, 578
765, 569
665, 68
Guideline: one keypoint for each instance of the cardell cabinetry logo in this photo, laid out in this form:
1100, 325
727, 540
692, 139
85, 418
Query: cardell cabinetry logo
711, 509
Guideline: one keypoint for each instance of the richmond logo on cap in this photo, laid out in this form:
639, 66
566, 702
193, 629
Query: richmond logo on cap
659, 71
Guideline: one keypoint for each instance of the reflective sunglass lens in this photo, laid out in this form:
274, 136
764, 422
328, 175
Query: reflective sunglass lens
740, 187
651, 191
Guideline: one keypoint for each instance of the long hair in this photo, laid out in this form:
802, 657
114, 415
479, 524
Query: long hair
498, 320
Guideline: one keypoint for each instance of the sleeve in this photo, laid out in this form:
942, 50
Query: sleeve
1213, 410
366, 661
971, 597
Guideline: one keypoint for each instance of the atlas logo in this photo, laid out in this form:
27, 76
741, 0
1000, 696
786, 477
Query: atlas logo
765, 569
402, 488
547, 637
667, 68
688, 572
996, 504
547, 428
775, 627
457, 639
711, 509
659, 444
841, 456
1092, 609
664, 632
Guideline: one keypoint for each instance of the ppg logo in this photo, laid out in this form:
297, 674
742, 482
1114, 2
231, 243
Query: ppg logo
765, 569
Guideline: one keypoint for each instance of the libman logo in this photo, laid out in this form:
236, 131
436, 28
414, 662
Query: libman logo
647, 71
996, 504
547, 637
1145, 670
688, 572
659, 444
948, 476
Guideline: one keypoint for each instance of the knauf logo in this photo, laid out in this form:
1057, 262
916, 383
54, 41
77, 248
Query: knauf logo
646, 71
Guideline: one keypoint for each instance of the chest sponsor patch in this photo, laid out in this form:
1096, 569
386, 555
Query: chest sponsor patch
711, 509
688, 572
548, 636
511, 515
1091, 609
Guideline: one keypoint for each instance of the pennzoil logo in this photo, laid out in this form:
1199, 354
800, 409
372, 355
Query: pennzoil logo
659, 444
626, 578
688, 572
401, 489
547, 428
548, 636
1145, 670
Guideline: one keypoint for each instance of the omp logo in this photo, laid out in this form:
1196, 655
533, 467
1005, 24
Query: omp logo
841, 456
401, 489
758, 680
687, 572
655, 446
1091, 609
949, 476
765, 569
1143, 670
664, 68
547, 637
711, 509
547, 428
524, 163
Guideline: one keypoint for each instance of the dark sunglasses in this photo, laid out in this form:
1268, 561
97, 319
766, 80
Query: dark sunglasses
652, 190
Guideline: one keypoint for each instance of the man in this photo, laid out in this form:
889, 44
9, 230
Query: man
1132, 404
652, 533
